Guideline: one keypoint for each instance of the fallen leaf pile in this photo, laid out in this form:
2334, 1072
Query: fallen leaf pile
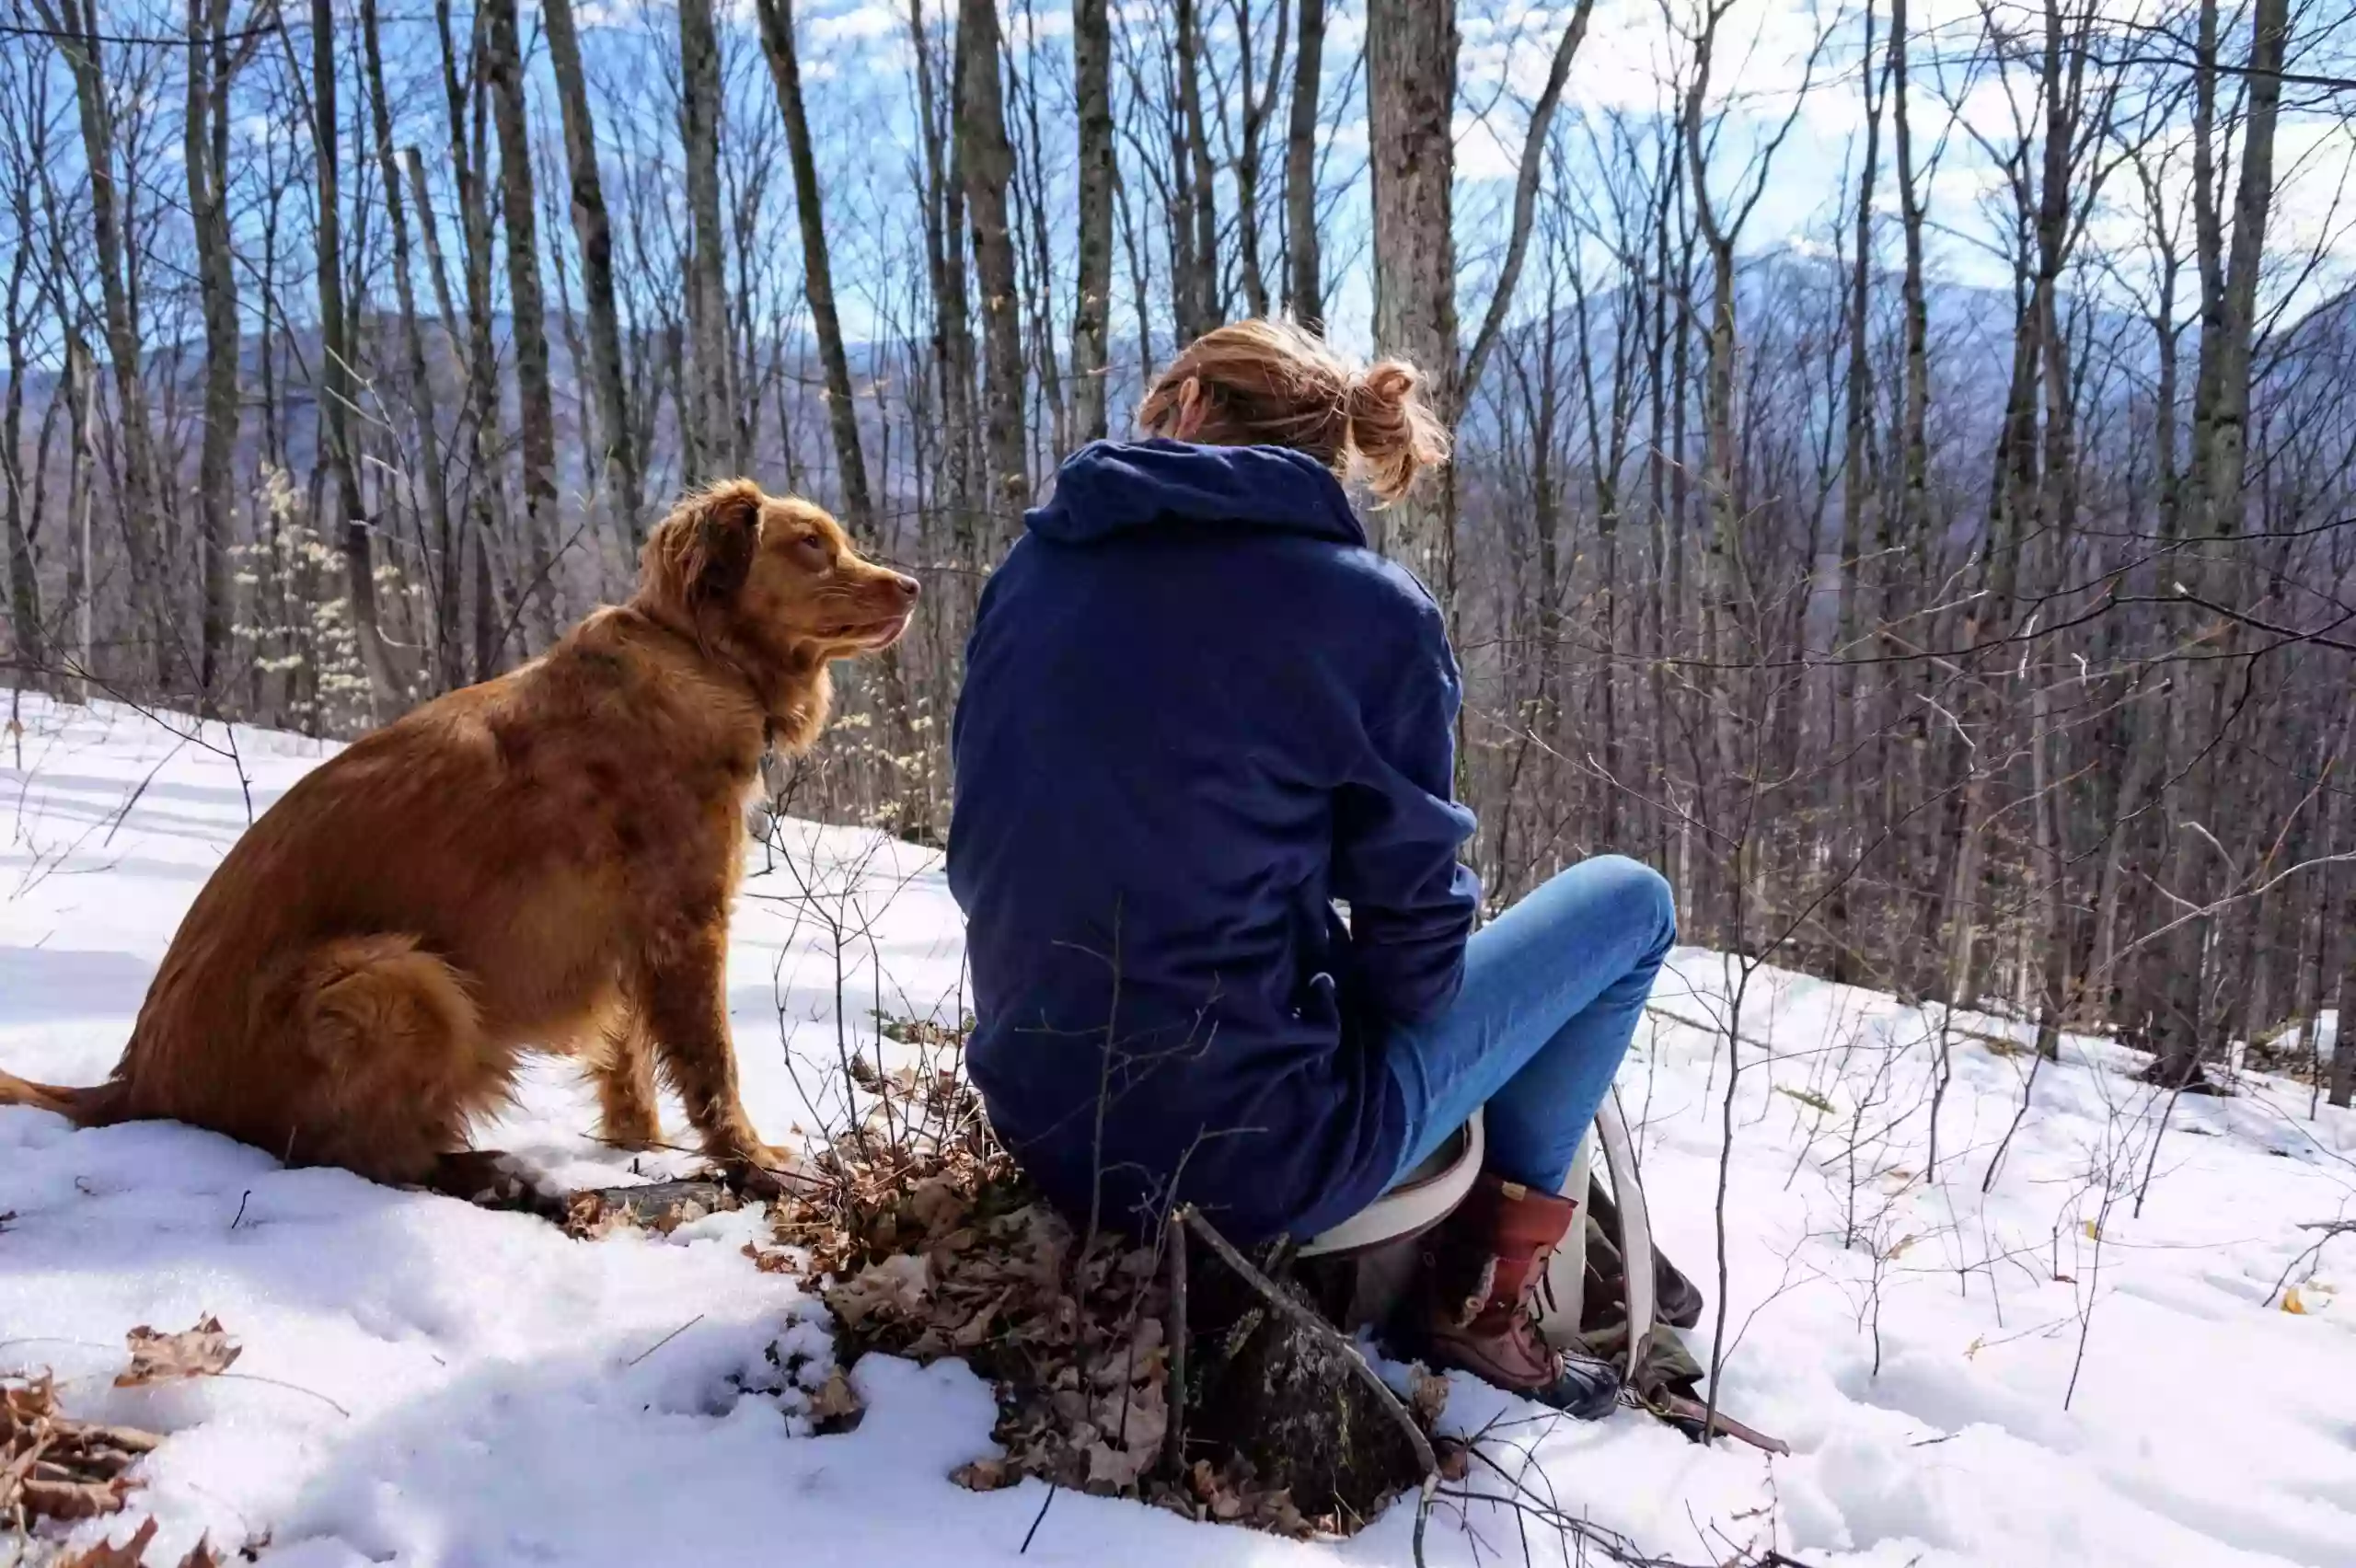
926, 1243
55, 1468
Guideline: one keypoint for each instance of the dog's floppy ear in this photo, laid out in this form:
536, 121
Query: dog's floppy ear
701, 554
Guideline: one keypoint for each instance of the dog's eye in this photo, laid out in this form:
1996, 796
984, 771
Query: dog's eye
812, 552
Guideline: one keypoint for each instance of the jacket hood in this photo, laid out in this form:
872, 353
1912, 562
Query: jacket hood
1110, 487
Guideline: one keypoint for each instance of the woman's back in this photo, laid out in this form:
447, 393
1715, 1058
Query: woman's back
1196, 710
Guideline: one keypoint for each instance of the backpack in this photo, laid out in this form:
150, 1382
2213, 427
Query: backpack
1608, 1291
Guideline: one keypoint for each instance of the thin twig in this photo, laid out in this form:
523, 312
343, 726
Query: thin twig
281, 1383
1037, 1519
666, 1338
1175, 1455
2330, 1227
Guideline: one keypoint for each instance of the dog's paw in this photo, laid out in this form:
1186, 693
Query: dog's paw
488, 1178
760, 1171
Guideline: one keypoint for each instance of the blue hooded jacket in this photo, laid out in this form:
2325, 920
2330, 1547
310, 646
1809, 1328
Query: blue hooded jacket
1198, 710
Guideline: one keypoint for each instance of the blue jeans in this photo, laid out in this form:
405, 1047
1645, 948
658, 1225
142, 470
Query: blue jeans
1553, 990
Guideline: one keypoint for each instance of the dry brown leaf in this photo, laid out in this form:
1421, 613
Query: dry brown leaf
835, 1399
1276, 1512
1114, 1467
975, 1329
105, 1554
588, 1217
1140, 1422
895, 1285
1426, 1395
200, 1351
983, 1475
68, 1499
201, 1555
938, 1206
1207, 1487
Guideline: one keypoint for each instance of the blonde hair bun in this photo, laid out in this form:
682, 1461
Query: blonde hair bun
1273, 383
1392, 430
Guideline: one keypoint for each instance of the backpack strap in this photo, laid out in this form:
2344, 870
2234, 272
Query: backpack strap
1636, 1231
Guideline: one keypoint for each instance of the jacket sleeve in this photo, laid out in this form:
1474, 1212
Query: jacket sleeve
1396, 833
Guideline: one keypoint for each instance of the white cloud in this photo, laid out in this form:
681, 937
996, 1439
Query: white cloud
875, 19
1481, 149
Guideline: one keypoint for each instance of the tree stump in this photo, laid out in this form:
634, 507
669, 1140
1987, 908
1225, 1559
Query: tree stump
1281, 1393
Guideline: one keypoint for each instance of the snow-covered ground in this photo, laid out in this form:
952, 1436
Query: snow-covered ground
426, 1383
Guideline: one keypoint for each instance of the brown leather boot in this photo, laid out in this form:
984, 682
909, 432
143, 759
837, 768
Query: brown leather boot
1483, 1265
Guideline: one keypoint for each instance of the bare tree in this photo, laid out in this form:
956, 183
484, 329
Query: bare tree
335, 377
625, 485
1195, 212
707, 414
536, 405
21, 148
1411, 52
1411, 101
205, 143
74, 24
1304, 295
988, 163
817, 276
1099, 174
430, 481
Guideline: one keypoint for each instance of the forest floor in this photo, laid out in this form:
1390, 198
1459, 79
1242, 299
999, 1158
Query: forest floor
2120, 1347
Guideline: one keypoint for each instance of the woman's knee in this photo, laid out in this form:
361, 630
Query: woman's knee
1642, 893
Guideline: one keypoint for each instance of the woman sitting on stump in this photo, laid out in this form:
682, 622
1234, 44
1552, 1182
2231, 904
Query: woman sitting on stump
1199, 709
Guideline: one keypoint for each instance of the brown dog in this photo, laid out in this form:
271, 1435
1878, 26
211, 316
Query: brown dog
542, 861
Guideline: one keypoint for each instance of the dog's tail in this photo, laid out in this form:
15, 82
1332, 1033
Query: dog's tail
97, 1107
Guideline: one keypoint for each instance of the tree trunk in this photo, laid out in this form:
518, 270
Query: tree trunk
24, 586
76, 22
1722, 593
536, 407
2343, 1044
1903, 527
2227, 454
1257, 103
706, 420
1858, 486
206, 148
988, 165
2220, 420
2057, 515
817, 277
469, 158
1303, 295
429, 477
625, 484
1198, 308
1050, 420
1410, 48
944, 239
1099, 174
335, 389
